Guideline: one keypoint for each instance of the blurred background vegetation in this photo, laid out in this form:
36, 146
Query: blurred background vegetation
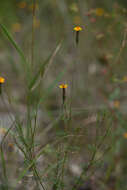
104, 30
99, 70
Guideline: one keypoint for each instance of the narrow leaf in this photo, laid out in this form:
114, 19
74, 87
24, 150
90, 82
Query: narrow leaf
10, 38
43, 67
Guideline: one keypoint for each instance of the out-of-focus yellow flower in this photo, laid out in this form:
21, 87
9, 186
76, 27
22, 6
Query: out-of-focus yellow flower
63, 86
36, 23
125, 135
116, 104
2, 80
99, 11
74, 7
16, 27
10, 147
124, 79
32, 6
22, 4
2, 131
77, 28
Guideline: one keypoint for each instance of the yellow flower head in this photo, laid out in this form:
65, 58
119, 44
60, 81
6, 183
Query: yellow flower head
10, 147
116, 104
77, 28
2, 80
16, 27
33, 6
63, 86
2, 131
125, 135
22, 4
99, 11
125, 79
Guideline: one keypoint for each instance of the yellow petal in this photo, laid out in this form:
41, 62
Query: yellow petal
77, 28
2, 80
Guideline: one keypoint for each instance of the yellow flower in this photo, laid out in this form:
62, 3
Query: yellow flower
22, 4
32, 6
16, 27
77, 28
63, 86
116, 104
125, 79
2, 80
125, 135
10, 147
2, 131
99, 11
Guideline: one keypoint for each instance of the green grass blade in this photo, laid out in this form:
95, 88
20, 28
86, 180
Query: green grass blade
3, 163
24, 172
18, 49
43, 67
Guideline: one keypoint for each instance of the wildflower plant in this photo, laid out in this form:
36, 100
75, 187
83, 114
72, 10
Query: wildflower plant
77, 29
63, 87
2, 80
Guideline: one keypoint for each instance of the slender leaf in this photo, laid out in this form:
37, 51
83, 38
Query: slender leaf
10, 38
43, 67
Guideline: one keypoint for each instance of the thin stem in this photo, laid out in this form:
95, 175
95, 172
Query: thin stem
33, 32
